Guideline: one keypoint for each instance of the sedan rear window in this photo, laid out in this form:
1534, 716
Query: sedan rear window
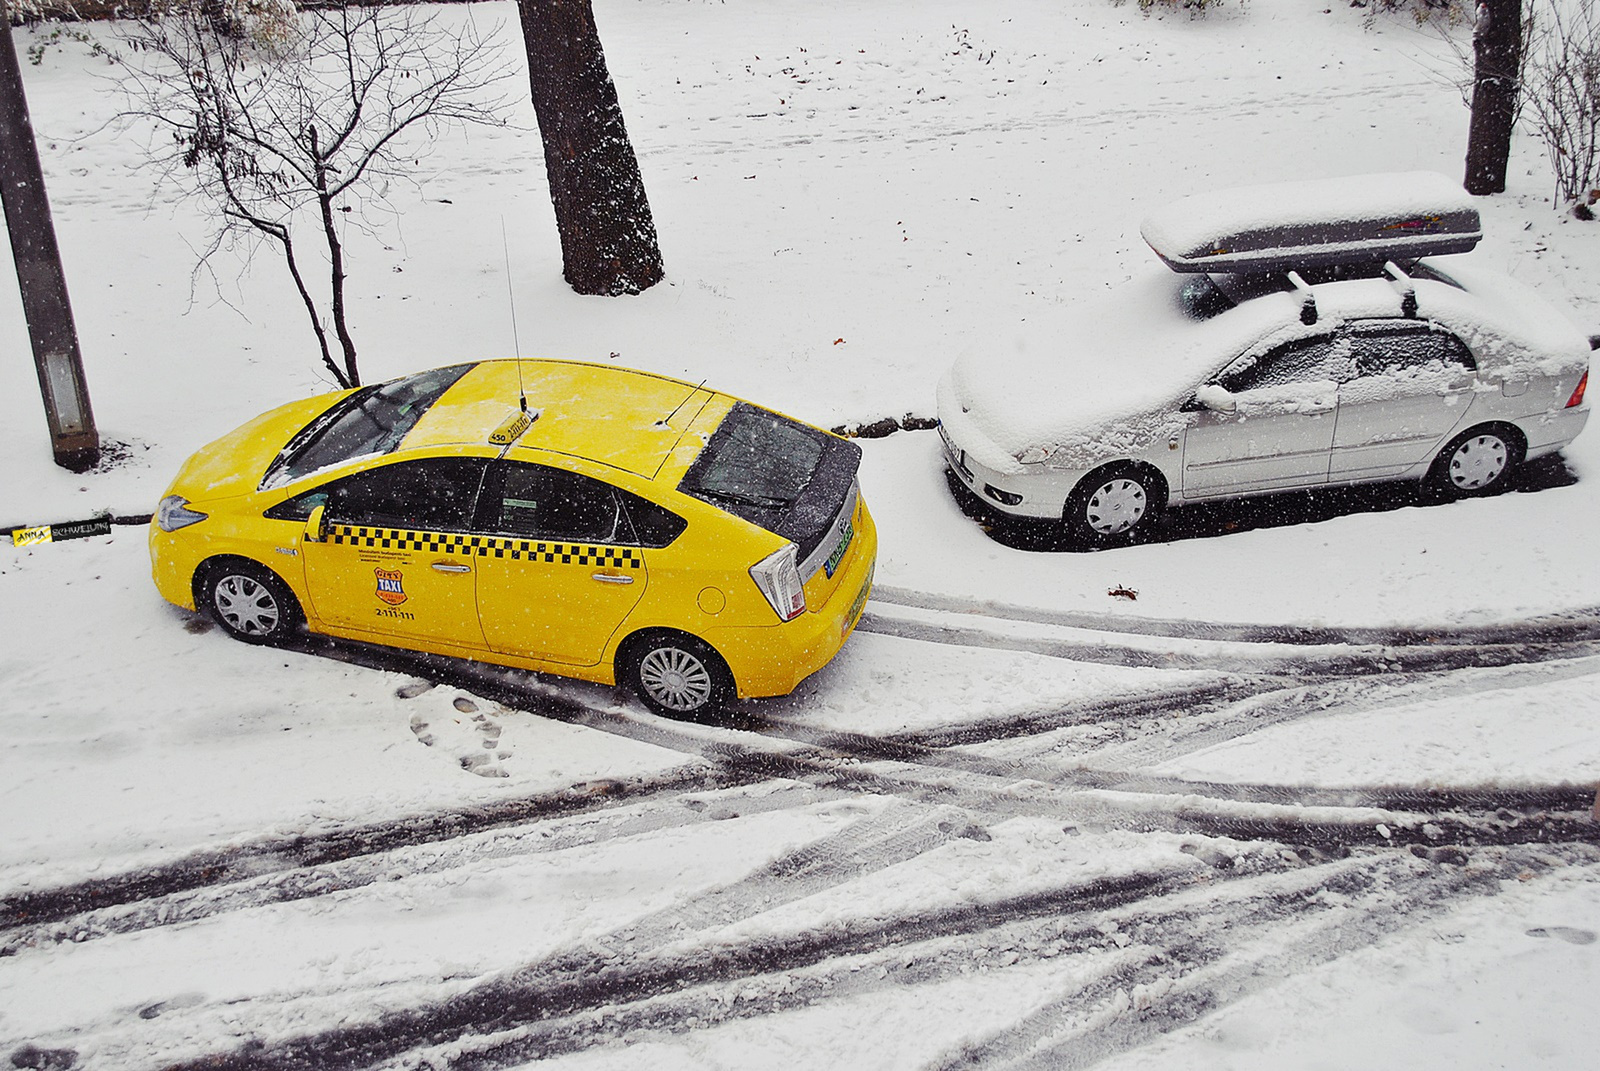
370, 422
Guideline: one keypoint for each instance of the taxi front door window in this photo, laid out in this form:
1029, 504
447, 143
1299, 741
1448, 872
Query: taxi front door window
435, 494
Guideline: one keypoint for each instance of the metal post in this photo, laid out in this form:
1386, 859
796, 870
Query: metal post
40, 279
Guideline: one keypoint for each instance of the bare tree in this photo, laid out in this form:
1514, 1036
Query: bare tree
277, 117
608, 237
1562, 79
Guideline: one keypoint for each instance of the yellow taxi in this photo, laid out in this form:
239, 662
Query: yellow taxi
569, 518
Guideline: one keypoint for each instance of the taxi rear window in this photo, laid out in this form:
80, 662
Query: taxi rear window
756, 464
370, 422
785, 476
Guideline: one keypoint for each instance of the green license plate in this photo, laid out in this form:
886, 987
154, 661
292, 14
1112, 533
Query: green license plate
831, 566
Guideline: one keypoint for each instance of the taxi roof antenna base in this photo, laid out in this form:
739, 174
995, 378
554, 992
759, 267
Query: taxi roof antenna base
1308, 300
1408, 289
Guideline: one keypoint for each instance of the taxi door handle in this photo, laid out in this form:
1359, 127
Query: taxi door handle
452, 567
612, 578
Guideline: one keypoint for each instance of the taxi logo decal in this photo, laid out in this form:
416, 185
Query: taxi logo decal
389, 586
584, 554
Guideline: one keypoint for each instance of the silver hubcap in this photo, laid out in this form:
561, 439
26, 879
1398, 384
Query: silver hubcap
1478, 462
1116, 507
246, 605
675, 678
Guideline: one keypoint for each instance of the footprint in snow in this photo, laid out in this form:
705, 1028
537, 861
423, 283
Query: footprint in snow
475, 740
1570, 934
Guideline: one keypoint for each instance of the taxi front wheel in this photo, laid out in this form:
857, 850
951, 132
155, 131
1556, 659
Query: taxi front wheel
249, 601
676, 675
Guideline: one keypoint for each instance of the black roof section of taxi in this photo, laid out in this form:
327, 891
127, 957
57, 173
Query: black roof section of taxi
778, 473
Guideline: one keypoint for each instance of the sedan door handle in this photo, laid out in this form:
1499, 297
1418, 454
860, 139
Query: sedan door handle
452, 567
611, 578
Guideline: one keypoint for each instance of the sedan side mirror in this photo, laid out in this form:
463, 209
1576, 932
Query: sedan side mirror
1215, 398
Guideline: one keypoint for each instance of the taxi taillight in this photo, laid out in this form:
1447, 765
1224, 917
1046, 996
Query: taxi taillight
1577, 395
778, 577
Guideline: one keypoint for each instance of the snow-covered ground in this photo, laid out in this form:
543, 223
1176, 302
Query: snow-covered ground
1019, 821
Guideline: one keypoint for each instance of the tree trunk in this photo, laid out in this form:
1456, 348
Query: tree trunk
608, 238
352, 377
1497, 58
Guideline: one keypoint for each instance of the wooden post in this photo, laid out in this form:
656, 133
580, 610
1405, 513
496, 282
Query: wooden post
40, 279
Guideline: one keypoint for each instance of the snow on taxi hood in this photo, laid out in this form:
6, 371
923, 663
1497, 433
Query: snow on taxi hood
233, 465
1107, 376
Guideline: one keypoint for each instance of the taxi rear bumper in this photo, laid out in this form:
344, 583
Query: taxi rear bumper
769, 660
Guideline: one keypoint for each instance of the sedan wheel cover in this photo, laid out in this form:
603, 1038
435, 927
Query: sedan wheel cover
1478, 462
675, 678
1116, 507
246, 605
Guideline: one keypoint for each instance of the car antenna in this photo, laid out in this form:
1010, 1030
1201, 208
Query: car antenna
667, 420
511, 297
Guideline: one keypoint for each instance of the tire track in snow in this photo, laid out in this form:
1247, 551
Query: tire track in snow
281, 870
1178, 939
1080, 645
596, 972
250, 861
1569, 627
1165, 995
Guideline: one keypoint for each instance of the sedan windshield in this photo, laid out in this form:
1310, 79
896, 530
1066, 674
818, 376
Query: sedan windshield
370, 422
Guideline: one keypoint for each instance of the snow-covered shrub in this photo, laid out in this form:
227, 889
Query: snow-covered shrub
1194, 7
1422, 12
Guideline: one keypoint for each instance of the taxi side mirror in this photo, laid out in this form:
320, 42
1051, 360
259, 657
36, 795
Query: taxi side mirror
316, 527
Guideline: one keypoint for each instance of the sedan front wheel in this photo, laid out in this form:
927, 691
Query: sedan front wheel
1111, 505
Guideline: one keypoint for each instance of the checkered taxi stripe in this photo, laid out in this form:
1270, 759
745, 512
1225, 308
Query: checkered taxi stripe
487, 546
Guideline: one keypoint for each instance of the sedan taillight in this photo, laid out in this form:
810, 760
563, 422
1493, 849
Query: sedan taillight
778, 577
1577, 395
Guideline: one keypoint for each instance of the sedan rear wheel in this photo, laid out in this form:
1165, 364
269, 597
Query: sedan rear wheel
1479, 461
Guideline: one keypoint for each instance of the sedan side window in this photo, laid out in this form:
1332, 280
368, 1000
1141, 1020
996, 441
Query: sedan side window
1302, 361
1383, 348
436, 494
540, 502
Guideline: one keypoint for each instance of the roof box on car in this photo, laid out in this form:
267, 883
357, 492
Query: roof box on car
1309, 224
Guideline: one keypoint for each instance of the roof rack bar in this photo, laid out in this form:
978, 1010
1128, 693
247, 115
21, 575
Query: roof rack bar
1408, 289
1308, 300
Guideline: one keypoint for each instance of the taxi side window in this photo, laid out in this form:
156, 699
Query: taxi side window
653, 525
540, 502
433, 494
299, 507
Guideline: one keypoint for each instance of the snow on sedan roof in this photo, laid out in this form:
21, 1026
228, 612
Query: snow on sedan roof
1399, 216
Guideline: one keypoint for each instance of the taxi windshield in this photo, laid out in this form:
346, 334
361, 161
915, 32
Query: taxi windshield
370, 422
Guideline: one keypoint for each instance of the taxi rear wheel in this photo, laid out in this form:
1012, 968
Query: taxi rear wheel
675, 675
249, 601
